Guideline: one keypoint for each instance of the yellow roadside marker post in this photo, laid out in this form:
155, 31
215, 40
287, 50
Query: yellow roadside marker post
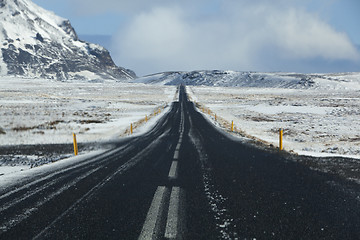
232, 126
75, 145
131, 128
281, 132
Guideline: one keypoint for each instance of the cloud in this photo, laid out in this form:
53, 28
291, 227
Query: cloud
303, 35
158, 34
238, 35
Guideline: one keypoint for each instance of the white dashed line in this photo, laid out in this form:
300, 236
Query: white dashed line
176, 155
173, 228
173, 170
155, 219
152, 225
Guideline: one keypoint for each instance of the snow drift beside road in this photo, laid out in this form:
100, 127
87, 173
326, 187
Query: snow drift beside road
39, 111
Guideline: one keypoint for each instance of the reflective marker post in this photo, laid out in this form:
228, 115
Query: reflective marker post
75, 145
281, 132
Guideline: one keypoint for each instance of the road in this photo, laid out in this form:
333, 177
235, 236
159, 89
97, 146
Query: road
184, 179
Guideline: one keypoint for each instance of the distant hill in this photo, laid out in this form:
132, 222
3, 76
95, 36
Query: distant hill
35, 42
219, 78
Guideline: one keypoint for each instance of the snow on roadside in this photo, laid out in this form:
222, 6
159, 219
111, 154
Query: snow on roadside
20, 170
316, 122
12, 175
37, 111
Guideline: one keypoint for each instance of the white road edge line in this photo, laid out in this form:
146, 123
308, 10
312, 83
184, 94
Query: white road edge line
173, 170
173, 223
152, 225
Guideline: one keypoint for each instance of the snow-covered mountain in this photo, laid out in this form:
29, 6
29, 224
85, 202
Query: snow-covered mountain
35, 42
218, 78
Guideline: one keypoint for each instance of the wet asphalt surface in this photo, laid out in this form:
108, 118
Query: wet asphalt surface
233, 190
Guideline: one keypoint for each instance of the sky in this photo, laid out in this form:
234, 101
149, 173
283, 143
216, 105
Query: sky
307, 36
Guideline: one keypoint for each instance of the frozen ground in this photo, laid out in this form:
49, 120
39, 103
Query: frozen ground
43, 111
320, 121
37, 111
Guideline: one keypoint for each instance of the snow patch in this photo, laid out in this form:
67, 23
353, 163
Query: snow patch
35, 111
315, 122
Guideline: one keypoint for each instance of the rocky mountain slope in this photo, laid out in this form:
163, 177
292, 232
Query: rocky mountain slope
37, 43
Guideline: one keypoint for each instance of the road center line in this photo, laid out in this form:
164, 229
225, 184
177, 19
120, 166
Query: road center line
173, 170
176, 155
155, 219
173, 228
152, 225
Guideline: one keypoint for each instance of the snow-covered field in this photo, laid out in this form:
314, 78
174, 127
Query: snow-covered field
39, 111
43, 111
319, 121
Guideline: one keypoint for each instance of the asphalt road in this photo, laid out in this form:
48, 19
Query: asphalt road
184, 179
